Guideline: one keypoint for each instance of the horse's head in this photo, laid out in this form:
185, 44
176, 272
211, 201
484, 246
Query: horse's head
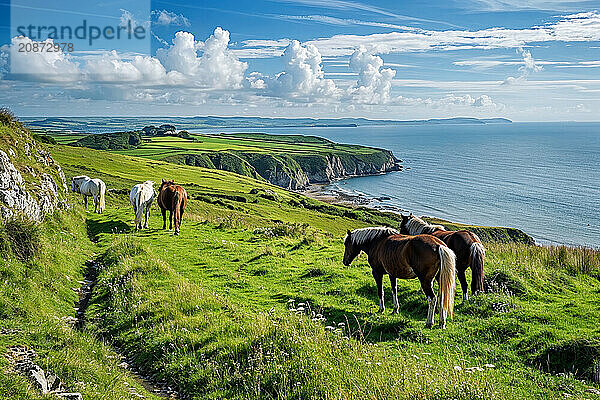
74, 185
404, 225
351, 249
166, 183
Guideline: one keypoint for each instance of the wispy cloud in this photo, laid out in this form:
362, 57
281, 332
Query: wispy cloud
520, 5
485, 64
357, 6
582, 27
325, 19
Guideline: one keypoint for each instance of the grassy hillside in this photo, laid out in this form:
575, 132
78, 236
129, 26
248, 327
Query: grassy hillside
290, 161
252, 301
41, 268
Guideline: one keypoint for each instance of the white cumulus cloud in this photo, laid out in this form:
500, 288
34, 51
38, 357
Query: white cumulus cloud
374, 81
529, 66
44, 66
215, 67
302, 75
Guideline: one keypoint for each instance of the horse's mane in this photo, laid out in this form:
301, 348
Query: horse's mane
166, 183
417, 226
363, 235
76, 178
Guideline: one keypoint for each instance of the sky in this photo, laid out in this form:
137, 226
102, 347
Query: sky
526, 60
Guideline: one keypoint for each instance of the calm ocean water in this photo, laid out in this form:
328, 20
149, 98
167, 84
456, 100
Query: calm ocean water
540, 177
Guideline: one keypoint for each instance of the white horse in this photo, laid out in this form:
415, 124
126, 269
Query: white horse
95, 188
142, 195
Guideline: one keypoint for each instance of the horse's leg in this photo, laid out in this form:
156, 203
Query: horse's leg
85, 202
170, 219
147, 216
379, 281
96, 202
164, 215
426, 286
394, 294
460, 272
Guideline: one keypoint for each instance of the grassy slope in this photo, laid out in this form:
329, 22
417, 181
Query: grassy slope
36, 296
209, 310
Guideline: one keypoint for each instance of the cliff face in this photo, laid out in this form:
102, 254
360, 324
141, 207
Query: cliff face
292, 171
325, 169
32, 184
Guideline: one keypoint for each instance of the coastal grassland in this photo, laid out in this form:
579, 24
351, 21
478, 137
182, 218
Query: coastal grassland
290, 161
40, 266
225, 310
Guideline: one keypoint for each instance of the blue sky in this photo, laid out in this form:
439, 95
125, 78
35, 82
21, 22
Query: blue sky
528, 60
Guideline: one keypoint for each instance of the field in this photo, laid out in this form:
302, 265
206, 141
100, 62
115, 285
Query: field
252, 301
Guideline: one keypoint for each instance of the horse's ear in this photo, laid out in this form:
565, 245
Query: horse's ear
411, 214
349, 232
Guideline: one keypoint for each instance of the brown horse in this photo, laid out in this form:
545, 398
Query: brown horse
406, 257
466, 245
173, 198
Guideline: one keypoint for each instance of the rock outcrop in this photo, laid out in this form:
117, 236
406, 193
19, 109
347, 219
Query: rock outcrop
32, 184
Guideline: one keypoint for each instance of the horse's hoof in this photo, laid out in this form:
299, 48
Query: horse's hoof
381, 310
394, 312
428, 326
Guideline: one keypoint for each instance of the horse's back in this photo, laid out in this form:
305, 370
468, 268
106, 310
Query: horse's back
459, 241
417, 254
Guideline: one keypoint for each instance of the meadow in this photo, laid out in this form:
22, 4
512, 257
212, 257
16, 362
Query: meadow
252, 301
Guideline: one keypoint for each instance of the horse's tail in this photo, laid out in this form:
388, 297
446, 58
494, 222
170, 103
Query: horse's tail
447, 282
139, 209
177, 210
476, 262
102, 190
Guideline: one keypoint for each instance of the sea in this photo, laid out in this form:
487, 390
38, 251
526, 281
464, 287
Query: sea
542, 178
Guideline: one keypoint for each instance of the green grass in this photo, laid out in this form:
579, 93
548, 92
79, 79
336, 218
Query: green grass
209, 311
251, 301
271, 157
36, 295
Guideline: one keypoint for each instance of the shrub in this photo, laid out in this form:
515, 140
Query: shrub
7, 117
20, 237
44, 138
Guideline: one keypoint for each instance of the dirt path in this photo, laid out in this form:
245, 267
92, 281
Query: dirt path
160, 389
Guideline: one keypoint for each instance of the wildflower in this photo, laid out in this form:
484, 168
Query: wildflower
457, 368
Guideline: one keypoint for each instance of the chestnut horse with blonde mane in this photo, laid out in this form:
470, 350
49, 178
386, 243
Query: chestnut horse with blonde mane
406, 257
465, 244
173, 198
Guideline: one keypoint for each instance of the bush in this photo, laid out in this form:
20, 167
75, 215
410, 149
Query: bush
21, 238
44, 138
7, 117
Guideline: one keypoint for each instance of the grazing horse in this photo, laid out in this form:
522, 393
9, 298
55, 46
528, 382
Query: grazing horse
172, 197
466, 245
141, 196
406, 257
95, 188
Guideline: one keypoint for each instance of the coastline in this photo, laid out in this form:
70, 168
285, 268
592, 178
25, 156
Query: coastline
340, 197
348, 199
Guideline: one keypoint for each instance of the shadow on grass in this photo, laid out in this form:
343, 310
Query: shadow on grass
95, 227
373, 327
412, 302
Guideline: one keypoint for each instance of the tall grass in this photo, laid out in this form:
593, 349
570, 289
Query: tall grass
19, 237
210, 347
